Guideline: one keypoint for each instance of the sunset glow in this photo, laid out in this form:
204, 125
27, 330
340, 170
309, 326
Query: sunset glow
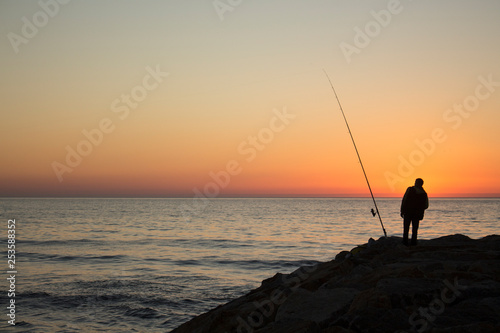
171, 99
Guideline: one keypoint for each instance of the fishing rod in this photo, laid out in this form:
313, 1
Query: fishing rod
376, 212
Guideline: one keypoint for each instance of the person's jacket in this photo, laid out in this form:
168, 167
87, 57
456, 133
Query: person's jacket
415, 202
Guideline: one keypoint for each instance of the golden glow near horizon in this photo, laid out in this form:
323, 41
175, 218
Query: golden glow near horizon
223, 98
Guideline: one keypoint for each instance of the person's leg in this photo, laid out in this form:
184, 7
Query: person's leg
406, 228
414, 230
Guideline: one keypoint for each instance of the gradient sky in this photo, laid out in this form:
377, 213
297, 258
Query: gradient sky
245, 99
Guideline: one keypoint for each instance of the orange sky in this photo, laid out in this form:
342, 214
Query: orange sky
177, 99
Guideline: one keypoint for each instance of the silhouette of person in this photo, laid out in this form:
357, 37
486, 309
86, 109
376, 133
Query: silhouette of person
413, 205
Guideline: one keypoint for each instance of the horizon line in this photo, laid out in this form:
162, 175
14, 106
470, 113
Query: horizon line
278, 196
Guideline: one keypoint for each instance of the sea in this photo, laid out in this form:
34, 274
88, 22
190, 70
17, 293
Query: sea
149, 265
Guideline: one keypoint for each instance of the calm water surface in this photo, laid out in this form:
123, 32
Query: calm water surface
141, 265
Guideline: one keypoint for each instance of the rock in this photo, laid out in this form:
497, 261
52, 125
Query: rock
336, 329
371, 298
290, 326
342, 255
375, 320
447, 284
315, 306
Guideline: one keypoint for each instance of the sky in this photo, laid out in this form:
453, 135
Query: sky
230, 98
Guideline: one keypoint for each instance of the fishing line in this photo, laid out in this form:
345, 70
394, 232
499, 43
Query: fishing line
376, 212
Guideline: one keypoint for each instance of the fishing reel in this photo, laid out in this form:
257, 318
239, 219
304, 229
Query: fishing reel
374, 213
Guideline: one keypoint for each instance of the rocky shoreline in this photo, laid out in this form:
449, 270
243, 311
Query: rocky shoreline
447, 284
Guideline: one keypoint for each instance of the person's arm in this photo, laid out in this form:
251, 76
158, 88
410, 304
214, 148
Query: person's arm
403, 203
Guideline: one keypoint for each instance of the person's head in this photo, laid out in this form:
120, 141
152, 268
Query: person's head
419, 182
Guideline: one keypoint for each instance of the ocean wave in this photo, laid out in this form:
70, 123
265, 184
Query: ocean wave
59, 242
207, 243
264, 264
144, 313
64, 258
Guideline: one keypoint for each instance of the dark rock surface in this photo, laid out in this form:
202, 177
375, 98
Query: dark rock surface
448, 284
